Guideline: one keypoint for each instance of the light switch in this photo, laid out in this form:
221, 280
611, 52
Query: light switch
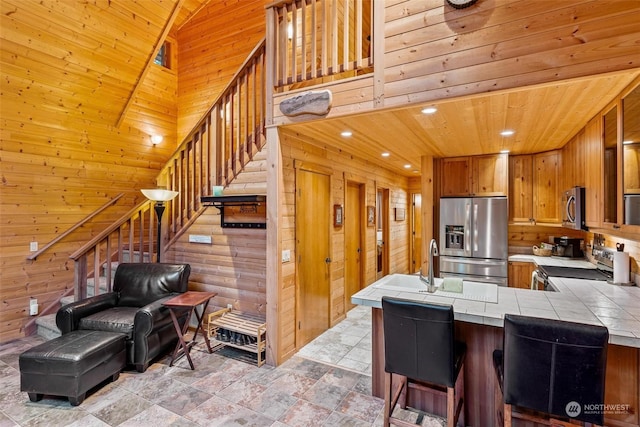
286, 255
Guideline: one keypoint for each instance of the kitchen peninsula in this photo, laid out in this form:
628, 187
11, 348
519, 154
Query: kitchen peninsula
479, 324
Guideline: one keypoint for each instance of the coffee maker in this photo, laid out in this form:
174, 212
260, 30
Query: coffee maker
568, 247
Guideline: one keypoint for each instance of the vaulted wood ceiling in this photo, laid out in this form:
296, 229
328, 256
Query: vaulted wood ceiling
85, 59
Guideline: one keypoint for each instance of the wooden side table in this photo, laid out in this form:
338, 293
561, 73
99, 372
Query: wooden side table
188, 301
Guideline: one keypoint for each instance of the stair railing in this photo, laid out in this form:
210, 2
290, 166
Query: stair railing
319, 39
217, 149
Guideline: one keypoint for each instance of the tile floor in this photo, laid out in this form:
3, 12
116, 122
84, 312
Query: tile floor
327, 384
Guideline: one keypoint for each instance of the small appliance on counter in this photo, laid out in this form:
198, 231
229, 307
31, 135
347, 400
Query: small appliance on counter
568, 247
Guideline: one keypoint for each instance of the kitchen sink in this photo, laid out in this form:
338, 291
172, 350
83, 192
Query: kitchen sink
473, 291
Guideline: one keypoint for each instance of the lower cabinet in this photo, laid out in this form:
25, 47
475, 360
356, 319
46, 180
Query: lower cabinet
520, 274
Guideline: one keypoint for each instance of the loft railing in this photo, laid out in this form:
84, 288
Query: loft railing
319, 39
214, 153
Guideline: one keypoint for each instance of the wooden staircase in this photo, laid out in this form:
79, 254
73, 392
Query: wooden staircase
228, 137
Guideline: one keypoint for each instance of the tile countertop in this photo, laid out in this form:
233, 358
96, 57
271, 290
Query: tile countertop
583, 301
552, 260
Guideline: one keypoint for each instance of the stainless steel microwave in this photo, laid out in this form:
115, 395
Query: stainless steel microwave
573, 208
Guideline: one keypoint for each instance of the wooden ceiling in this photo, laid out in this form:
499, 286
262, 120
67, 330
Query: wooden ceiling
543, 117
83, 61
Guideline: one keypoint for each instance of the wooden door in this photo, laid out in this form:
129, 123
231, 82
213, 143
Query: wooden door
520, 274
382, 232
490, 175
521, 188
416, 233
546, 194
313, 254
456, 176
593, 173
353, 242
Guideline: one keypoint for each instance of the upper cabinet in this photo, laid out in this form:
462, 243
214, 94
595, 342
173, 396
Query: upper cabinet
534, 195
610, 144
631, 156
546, 193
475, 176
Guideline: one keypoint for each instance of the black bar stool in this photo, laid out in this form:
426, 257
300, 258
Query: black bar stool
553, 371
420, 347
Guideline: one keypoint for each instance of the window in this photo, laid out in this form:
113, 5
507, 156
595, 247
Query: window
164, 55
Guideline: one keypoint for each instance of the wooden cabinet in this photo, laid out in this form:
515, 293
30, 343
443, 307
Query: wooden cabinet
521, 188
534, 193
475, 176
593, 172
520, 274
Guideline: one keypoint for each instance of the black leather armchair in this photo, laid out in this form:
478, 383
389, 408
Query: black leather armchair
133, 308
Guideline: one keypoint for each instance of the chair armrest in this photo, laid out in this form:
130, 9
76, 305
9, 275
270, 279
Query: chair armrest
68, 317
150, 316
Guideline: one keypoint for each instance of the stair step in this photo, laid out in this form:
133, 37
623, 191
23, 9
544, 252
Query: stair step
47, 327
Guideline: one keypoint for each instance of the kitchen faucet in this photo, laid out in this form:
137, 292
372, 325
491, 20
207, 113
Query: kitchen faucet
429, 281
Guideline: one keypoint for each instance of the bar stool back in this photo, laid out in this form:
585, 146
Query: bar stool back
420, 348
552, 367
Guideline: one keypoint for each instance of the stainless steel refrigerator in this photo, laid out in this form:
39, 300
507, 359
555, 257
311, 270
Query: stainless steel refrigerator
473, 238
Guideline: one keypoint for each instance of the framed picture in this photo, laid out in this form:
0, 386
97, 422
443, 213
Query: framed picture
337, 215
399, 214
371, 216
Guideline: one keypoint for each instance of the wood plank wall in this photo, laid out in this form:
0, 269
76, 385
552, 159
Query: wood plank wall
346, 167
212, 45
234, 264
62, 157
433, 51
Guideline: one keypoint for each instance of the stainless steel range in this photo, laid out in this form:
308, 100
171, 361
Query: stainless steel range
603, 270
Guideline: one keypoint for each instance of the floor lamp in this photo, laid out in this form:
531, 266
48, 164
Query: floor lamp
159, 195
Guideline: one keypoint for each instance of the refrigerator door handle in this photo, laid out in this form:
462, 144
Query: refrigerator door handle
467, 229
475, 227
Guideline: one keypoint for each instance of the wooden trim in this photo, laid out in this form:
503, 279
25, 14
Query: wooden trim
378, 41
312, 167
275, 189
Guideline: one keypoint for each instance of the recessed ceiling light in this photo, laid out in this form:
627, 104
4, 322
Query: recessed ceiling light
429, 110
385, 154
507, 132
346, 133
504, 151
627, 142
156, 139
407, 166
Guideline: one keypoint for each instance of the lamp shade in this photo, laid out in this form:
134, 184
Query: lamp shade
159, 194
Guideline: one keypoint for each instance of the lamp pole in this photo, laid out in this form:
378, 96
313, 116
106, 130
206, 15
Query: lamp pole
159, 208
159, 196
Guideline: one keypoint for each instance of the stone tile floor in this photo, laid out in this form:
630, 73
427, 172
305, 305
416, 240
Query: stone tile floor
327, 384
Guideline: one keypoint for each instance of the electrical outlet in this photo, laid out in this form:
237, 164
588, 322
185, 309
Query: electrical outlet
33, 306
33, 246
230, 306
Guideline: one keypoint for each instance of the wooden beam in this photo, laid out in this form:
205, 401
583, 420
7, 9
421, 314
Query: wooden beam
143, 74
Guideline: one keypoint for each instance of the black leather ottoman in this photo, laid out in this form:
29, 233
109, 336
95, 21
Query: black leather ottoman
72, 364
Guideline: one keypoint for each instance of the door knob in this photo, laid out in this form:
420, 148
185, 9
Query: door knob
327, 260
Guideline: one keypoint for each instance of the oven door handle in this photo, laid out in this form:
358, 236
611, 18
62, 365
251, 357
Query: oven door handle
570, 200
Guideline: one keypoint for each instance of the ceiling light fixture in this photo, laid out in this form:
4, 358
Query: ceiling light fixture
504, 151
507, 132
429, 110
386, 154
628, 142
156, 139
346, 133
407, 166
